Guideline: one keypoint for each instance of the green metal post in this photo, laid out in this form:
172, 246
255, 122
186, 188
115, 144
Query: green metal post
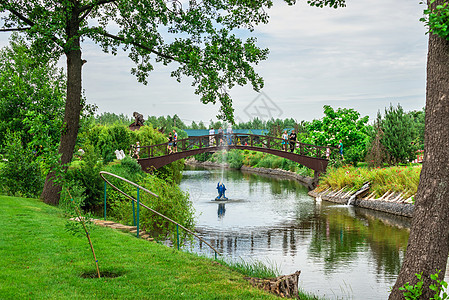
215, 254
177, 234
105, 185
138, 212
134, 215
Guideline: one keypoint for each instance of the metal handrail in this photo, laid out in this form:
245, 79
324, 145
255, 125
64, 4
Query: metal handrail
150, 209
234, 136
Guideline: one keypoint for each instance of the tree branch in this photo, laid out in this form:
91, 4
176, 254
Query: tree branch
15, 29
89, 7
31, 23
21, 17
117, 38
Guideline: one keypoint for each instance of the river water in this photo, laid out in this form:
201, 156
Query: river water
342, 252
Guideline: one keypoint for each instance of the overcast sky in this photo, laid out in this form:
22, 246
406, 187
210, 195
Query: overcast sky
364, 56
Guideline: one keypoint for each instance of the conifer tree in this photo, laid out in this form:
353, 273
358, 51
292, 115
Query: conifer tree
397, 128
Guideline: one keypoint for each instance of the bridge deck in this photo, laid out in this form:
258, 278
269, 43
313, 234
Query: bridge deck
312, 156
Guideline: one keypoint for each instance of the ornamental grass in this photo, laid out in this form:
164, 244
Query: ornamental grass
400, 179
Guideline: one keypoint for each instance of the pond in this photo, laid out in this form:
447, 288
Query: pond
342, 252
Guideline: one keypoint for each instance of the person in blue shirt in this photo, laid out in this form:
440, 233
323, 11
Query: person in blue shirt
340, 146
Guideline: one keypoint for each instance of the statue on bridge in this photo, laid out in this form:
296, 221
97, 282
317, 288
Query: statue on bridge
221, 191
138, 121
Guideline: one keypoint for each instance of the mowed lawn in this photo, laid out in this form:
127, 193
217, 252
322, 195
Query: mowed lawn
39, 259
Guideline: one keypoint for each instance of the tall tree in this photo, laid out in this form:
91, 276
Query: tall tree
398, 129
428, 245
343, 124
203, 46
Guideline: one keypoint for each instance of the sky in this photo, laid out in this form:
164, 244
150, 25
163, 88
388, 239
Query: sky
364, 56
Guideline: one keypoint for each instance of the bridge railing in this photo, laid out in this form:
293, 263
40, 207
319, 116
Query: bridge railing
235, 139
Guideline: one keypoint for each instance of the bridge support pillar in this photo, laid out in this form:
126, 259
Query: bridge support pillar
316, 179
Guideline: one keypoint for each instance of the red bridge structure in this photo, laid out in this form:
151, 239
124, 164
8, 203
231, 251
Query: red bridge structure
310, 156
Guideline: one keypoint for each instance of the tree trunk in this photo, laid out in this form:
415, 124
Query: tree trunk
69, 133
428, 245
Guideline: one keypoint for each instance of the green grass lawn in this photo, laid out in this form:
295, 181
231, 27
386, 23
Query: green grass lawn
39, 259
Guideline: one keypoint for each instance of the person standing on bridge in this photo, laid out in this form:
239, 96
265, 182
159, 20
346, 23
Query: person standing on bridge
220, 136
284, 140
211, 136
229, 134
292, 141
175, 141
170, 143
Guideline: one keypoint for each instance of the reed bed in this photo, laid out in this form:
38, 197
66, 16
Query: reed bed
400, 179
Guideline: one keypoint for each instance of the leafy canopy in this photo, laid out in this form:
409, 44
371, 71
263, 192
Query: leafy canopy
198, 35
31, 95
343, 124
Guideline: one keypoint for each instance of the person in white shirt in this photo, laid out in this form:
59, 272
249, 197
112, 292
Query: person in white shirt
211, 137
229, 134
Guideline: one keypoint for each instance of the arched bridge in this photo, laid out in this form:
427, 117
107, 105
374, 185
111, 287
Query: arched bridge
311, 156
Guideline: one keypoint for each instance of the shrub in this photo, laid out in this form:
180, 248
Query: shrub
21, 172
171, 172
86, 174
172, 202
235, 159
203, 156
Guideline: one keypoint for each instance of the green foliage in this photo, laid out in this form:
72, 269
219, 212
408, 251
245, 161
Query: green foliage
436, 18
200, 37
147, 136
107, 139
168, 124
418, 119
108, 118
252, 158
330, 3
235, 159
253, 268
440, 287
85, 175
31, 96
172, 202
111, 138
393, 179
21, 172
341, 124
171, 172
397, 128
413, 292
203, 156
77, 193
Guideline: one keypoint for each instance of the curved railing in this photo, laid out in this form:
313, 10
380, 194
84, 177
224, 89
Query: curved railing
237, 139
148, 208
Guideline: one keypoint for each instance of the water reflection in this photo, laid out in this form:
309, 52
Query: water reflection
221, 210
275, 220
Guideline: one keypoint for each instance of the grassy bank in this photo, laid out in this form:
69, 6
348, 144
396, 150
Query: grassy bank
39, 259
396, 179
